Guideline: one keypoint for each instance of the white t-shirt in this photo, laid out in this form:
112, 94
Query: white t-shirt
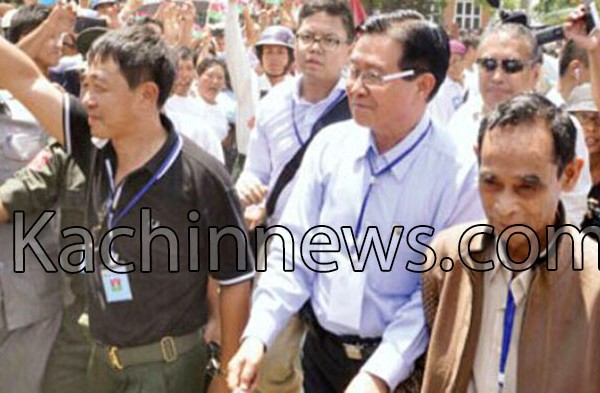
189, 127
446, 102
208, 116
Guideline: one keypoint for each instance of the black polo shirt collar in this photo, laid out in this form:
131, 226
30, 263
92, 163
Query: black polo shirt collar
152, 165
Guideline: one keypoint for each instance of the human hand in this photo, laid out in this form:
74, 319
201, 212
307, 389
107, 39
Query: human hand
575, 29
242, 371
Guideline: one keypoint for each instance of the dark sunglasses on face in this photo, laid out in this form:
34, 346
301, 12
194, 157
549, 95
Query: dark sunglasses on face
510, 66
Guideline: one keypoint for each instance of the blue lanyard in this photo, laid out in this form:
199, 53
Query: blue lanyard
325, 112
375, 175
114, 196
509, 318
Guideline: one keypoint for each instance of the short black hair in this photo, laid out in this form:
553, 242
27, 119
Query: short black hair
425, 45
147, 20
185, 53
518, 31
528, 108
333, 8
570, 52
25, 20
210, 61
142, 56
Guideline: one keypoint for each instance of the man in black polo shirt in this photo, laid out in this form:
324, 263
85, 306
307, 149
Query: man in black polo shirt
145, 325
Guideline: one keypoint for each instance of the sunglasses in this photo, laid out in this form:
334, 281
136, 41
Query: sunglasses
510, 66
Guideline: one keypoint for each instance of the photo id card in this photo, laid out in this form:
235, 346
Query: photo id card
116, 285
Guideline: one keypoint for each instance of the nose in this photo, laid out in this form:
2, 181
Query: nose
88, 99
498, 75
354, 86
315, 46
505, 206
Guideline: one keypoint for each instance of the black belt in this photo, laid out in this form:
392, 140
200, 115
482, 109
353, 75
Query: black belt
356, 347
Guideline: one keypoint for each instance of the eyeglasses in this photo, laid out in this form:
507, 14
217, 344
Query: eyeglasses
510, 66
327, 42
374, 78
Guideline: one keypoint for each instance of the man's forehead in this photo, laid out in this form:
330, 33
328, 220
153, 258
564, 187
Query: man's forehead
509, 45
367, 51
102, 69
528, 143
323, 23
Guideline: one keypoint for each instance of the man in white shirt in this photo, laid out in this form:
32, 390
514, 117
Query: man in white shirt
185, 110
509, 64
286, 120
471, 72
453, 91
275, 50
388, 166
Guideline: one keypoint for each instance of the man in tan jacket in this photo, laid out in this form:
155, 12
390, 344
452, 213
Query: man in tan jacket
518, 310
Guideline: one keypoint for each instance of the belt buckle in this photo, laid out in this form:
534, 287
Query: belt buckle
353, 351
168, 349
113, 358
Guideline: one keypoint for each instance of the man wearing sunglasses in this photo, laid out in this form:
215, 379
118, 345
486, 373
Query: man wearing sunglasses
509, 61
389, 166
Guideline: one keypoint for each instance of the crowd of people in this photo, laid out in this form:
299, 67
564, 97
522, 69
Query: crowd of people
460, 173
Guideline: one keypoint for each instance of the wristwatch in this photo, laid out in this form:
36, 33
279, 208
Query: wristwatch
213, 367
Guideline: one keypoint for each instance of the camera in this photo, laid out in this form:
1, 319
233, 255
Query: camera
548, 34
556, 33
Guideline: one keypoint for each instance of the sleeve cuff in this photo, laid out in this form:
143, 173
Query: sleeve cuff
262, 327
237, 280
387, 364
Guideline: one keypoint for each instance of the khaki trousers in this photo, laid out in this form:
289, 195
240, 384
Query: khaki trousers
281, 371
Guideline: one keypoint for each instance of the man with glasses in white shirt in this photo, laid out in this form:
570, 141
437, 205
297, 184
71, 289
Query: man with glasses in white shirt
509, 61
389, 166
287, 118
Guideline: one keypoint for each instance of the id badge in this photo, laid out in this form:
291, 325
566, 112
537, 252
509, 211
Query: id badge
116, 285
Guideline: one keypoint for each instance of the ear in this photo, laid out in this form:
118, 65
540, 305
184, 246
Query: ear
149, 92
570, 174
537, 74
575, 69
575, 64
425, 84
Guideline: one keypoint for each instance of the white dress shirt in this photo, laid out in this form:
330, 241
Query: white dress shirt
429, 186
486, 365
274, 141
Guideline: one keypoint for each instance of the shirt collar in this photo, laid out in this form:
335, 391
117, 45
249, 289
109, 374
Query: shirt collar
156, 161
339, 88
380, 160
